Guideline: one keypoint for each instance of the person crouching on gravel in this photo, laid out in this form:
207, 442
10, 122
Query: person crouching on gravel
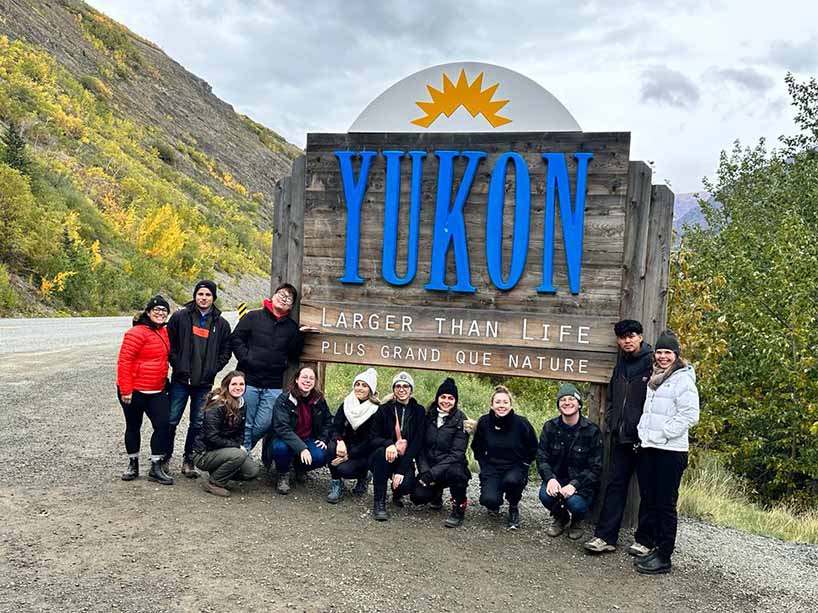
397, 437
569, 460
351, 440
300, 431
442, 459
671, 408
504, 446
141, 383
218, 448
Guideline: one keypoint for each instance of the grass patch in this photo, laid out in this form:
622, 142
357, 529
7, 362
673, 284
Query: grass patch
712, 493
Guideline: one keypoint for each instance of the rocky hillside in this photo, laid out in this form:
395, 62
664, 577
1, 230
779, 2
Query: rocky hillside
125, 163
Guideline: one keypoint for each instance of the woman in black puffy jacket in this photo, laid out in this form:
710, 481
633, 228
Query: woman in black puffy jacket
442, 459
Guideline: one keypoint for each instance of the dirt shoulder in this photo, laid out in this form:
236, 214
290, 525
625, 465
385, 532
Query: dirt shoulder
76, 538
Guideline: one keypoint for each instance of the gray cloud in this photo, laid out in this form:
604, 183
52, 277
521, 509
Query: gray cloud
799, 56
667, 86
750, 79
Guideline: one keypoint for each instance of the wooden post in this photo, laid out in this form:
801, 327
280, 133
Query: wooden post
281, 229
654, 306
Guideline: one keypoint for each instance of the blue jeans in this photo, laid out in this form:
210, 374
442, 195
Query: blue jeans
178, 394
576, 504
283, 455
258, 413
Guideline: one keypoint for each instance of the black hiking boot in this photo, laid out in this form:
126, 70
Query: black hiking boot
158, 475
653, 565
361, 486
132, 472
379, 509
513, 519
436, 503
458, 514
398, 501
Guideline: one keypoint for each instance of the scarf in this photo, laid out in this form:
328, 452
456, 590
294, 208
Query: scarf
358, 412
660, 375
441, 416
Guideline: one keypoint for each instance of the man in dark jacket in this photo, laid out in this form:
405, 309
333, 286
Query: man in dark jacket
199, 349
626, 398
569, 460
264, 342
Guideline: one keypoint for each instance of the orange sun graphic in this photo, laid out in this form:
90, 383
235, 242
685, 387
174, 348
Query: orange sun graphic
470, 96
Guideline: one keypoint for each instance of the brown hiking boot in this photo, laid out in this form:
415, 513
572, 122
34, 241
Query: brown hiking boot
557, 527
188, 470
214, 489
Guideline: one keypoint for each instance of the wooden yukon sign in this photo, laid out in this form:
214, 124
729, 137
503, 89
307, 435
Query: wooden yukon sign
488, 251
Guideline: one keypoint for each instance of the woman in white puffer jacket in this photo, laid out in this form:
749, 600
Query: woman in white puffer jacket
671, 408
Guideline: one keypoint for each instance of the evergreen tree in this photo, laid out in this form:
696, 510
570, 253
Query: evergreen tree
14, 150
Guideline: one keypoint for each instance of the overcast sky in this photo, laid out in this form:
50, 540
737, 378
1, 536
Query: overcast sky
686, 78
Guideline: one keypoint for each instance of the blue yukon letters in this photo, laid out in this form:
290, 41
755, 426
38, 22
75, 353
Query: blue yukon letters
449, 231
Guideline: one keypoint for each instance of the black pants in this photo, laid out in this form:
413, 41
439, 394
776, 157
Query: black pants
456, 478
157, 408
495, 482
383, 470
354, 468
624, 460
661, 474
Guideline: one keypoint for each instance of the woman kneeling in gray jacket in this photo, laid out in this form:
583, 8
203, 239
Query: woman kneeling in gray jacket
671, 408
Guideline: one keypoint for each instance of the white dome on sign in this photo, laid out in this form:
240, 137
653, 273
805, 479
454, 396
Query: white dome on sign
465, 97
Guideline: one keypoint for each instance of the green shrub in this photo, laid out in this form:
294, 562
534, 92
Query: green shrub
8, 297
96, 87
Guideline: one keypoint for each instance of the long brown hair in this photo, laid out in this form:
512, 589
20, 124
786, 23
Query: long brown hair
293, 387
220, 396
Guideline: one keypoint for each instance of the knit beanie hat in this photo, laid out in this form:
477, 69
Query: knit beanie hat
447, 387
205, 283
569, 389
156, 301
370, 377
668, 340
403, 377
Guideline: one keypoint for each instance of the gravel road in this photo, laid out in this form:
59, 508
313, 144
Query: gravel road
76, 538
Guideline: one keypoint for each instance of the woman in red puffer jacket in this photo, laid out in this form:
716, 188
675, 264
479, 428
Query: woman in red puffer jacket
141, 379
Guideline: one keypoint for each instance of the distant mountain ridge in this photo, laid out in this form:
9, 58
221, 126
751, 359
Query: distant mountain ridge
687, 211
138, 180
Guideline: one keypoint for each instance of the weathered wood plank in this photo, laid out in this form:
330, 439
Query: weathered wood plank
636, 237
658, 261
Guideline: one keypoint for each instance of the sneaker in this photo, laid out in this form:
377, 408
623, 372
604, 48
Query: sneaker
597, 545
283, 483
639, 550
557, 527
575, 530
216, 490
513, 518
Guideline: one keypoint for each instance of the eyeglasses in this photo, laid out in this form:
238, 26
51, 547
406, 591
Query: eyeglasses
159, 310
402, 386
285, 297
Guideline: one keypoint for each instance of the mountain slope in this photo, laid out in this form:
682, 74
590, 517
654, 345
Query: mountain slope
138, 179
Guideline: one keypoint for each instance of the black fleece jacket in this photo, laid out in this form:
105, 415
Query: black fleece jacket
264, 345
412, 420
504, 442
626, 393
180, 332
217, 433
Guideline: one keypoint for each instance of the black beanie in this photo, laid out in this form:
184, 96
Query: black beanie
205, 283
447, 387
668, 340
157, 301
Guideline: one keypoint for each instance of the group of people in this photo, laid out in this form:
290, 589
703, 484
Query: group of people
408, 449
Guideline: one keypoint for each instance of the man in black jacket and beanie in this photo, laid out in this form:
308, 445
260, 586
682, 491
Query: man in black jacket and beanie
626, 398
199, 349
569, 460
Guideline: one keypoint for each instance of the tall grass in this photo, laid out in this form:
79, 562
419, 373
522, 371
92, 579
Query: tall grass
712, 493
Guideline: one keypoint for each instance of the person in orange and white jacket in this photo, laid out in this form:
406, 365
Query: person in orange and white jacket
141, 381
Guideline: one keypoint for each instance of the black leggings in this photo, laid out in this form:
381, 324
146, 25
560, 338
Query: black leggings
455, 477
157, 408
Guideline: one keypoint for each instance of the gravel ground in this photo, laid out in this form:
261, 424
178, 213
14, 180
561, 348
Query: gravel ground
76, 538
